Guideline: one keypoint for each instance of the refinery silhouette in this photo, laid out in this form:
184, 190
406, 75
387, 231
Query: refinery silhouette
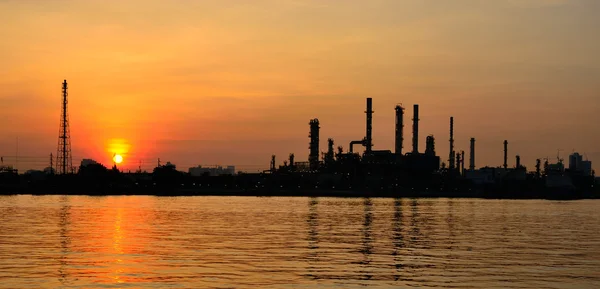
374, 173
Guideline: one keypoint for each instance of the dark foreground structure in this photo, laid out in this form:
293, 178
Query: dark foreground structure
166, 181
374, 173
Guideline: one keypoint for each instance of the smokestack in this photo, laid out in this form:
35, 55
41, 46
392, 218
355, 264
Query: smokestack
451, 157
505, 154
518, 161
462, 162
369, 137
313, 157
472, 159
399, 129
415, 141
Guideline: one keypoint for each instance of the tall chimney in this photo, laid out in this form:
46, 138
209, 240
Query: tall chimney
462, 162
472, 158
369, 137
518, 159
399, 129
313, 157
415, 141
505, 154
451, 157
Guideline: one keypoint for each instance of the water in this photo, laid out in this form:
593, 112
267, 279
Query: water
246, 242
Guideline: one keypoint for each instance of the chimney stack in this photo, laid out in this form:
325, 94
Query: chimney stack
472, 158
462, 162
505, 154
451, 157
415, 141
369, 137
518, 161
399, 129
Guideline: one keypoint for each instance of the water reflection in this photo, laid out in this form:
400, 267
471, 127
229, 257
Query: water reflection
313, 237
398, 239
450, 221
65, 240
313, 223
118, 247
367, 239
415, 235
226, 242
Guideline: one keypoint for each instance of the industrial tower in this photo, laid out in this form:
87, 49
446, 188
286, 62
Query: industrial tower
64, 161
313, 157
399, 129
369, 126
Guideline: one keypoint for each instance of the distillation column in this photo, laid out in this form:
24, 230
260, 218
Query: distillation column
415, 140
399, 129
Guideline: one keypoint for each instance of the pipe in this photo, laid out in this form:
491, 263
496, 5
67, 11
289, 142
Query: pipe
399, 129
356, 142
415, 141
369, 136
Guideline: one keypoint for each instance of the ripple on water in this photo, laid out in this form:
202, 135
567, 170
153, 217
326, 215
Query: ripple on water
244, 242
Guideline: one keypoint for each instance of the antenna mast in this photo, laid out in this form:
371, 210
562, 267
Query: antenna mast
64, 162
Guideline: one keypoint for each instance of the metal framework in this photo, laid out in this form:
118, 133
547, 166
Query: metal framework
64, 161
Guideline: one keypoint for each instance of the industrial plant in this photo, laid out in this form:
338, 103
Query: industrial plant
335, 172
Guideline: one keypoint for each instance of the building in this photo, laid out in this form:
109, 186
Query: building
585, 167
577, 164
574, 161
211, 171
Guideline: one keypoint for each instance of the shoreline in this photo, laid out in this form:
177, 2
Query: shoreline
322, 193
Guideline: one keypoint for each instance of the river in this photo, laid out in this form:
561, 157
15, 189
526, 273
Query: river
297, 242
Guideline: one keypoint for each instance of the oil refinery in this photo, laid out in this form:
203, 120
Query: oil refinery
333, 173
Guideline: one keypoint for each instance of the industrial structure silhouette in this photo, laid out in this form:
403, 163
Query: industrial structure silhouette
337, 173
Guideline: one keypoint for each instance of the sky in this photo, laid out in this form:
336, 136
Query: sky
233, 82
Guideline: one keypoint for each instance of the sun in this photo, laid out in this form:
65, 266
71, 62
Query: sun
118, 159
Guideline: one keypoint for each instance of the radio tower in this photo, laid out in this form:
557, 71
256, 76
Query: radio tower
64, 162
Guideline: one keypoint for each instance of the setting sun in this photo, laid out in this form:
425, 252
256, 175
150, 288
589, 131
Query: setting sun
118, 159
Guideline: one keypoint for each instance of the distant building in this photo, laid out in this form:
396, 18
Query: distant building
585, 167
211, 171
487, 175
574, 161
577, 164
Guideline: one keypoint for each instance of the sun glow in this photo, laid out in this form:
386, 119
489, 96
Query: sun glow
118, 159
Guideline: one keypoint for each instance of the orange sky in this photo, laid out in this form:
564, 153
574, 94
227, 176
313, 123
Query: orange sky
232, 82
